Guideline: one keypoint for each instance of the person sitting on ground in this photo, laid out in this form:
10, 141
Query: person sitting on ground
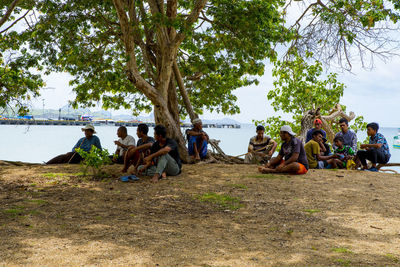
124, 142
261, 147
291, 158
197, 140
164, 157
327, 148
85, 143
350, 137
135, 155
313, 151
317, 126
343, 153
377, 151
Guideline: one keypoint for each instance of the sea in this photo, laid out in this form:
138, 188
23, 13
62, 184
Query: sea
39, 143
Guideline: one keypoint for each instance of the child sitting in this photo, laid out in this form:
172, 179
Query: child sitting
343, 153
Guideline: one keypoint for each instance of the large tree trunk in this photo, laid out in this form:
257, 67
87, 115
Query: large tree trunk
307, 122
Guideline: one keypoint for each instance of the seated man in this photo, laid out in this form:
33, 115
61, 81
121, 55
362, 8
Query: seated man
315, 157
135, 155
350, 137
377, 151
317, 126
291, 158
164, 157
85, 143
261, 147
197, 140
124, 142
342, 154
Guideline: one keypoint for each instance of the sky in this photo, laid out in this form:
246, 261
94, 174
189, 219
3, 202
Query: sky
374, 94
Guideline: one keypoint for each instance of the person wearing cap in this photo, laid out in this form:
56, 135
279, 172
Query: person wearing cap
261, 147
350, 137
124, 142
85, 143
197, 140
313, 151
291, 158
317, 126
376, 151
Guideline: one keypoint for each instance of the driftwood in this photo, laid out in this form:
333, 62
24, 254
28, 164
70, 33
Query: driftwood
219, 156
308, 120
380, 165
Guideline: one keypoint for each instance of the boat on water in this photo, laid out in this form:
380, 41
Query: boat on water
396, 140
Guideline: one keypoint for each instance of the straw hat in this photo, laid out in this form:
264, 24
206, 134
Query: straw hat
88, 127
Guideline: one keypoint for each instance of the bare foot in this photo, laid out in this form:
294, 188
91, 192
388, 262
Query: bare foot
164, 175
197, 157
265, 170
155, 178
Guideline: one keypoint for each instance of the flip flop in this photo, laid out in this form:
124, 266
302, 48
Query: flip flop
129, 178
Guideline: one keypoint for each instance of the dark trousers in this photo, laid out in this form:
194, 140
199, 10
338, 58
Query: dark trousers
70, 157
374, 155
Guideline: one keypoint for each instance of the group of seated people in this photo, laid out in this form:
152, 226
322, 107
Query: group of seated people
159, 156
296, 158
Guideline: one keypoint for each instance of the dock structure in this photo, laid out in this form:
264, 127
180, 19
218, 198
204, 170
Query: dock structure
109, 123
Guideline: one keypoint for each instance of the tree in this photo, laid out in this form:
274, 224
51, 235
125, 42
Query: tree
134, 53
343, 31
300, 90
17, 83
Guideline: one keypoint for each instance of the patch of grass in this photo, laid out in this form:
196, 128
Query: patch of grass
311, 211
266, 176
342, 250
224, 201
37, 201
289, 232
54, 174
314, 248
16, 211
98, 218
392, 257
32, 185
343, 262
239, 186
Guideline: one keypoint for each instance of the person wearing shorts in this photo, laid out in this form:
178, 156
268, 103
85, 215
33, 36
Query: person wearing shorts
291, 158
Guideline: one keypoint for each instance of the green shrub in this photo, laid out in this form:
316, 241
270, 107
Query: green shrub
94, 160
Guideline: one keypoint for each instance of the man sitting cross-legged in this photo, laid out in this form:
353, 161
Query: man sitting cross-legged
164, 157
313, 151
135, 155
261, 147
291, 158
197, 140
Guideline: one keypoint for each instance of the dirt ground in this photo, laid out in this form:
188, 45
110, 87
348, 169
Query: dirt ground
50, 215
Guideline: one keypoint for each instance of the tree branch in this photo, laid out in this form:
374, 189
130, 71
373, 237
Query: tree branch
8, 12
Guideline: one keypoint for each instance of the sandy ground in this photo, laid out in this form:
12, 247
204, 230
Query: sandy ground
49, 215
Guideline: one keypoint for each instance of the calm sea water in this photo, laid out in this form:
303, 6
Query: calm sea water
41, 143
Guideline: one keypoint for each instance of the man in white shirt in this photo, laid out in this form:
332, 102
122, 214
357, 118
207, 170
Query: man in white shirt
124, 142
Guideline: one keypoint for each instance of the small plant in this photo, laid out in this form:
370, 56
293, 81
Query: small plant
392, 257
311, 211
224, 201
343, 262
342, 250
95, 159
54, 175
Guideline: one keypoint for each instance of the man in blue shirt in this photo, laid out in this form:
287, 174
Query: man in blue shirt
377, 151
350, 137
85, 143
